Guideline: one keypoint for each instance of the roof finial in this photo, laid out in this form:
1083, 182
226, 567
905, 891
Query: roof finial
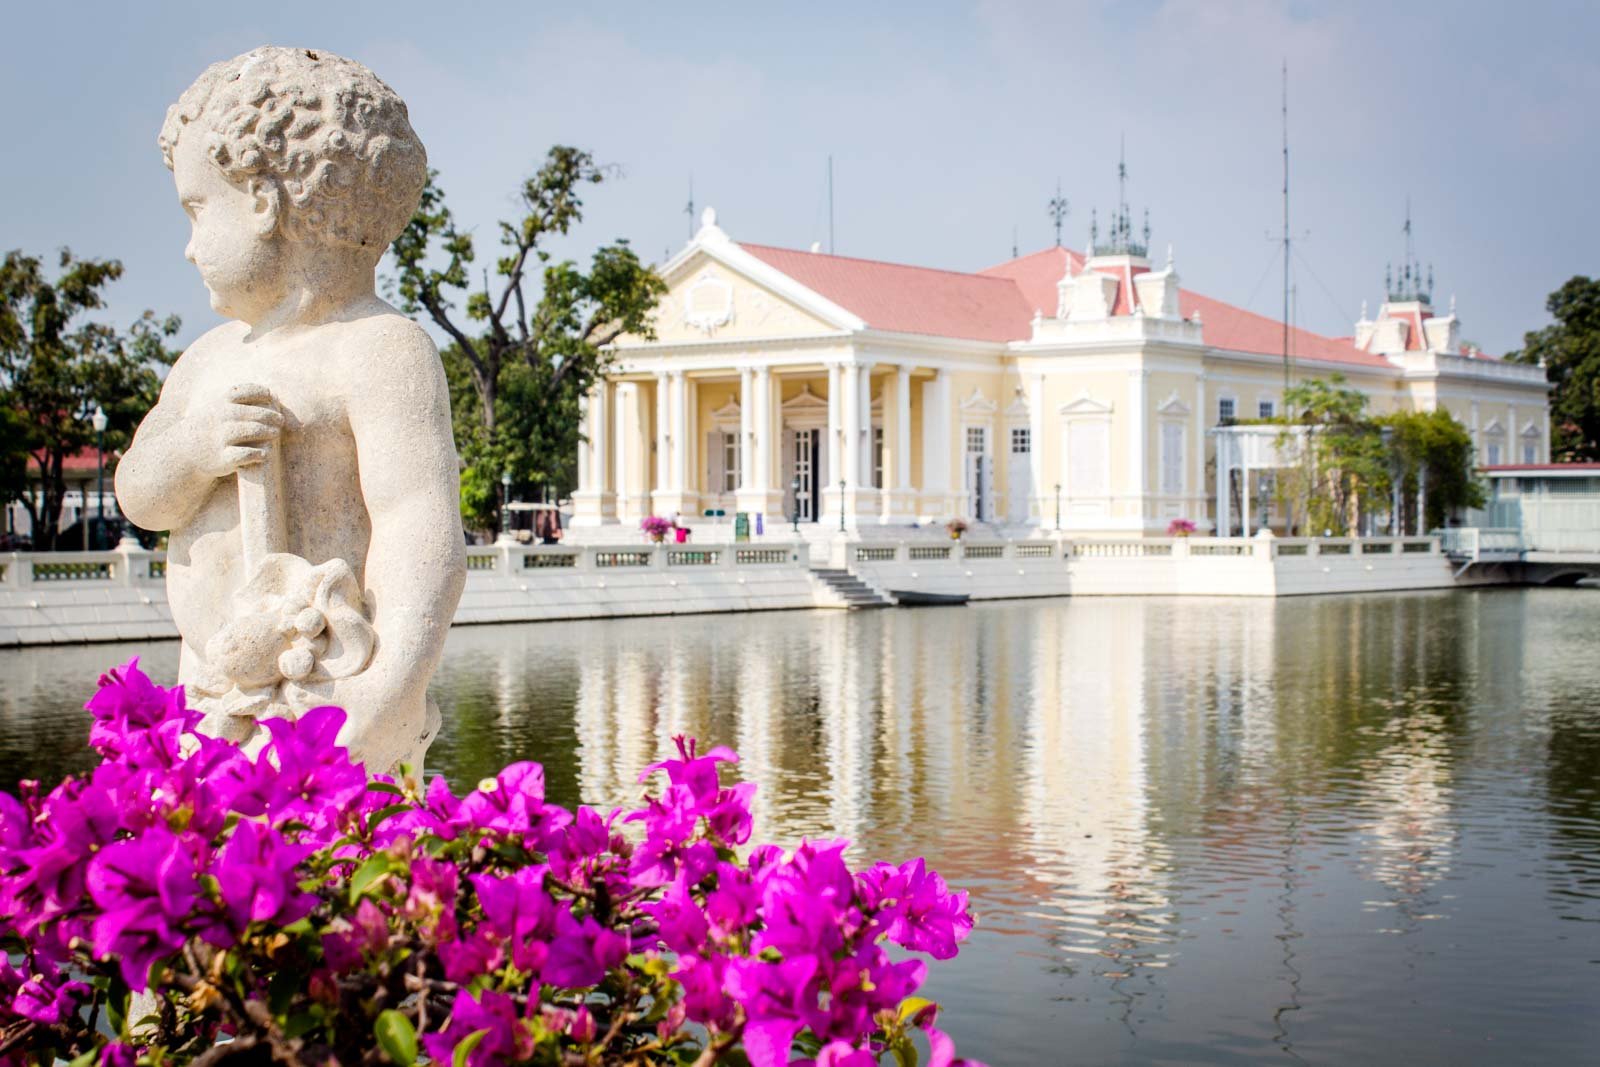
708, 217
1363, 311
1452, 305
1170, 257
1058, 209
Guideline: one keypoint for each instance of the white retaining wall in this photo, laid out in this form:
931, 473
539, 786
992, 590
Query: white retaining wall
1180, 566
72, 597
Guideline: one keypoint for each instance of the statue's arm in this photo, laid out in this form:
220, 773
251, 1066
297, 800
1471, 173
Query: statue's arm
159, 486
178, 452
416, 559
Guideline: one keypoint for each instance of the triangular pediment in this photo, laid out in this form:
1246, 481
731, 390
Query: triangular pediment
805, 401
1085, 405
1531, 430
719, 292
978, 404
1173, 405
1494, 427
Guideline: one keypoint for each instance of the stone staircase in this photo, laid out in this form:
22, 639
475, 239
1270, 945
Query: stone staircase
851, 592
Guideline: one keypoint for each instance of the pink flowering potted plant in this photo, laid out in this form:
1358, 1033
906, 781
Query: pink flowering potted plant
655, 527
281, 907
1180, 528
955, 528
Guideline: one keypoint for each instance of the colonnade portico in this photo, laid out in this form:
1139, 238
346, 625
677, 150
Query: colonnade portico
779, 449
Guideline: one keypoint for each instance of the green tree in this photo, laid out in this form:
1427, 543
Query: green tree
55, 368
523, 350
1569, 350
1343, 466
1433, 453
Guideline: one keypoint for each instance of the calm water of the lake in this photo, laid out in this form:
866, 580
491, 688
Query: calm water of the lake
1332, 830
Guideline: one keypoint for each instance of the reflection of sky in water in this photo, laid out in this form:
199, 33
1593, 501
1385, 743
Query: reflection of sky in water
1340, 828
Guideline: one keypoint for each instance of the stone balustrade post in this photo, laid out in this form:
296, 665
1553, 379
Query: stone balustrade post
133, 562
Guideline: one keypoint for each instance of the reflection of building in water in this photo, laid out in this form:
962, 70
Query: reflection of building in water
1408, 786
1085, 790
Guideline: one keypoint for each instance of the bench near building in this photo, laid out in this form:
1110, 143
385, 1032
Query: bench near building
1055, 391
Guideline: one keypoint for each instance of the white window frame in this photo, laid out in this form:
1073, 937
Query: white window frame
1233, 407
1179, 431
1266, 407
732, 457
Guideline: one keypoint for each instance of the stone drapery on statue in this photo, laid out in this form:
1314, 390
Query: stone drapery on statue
301, 453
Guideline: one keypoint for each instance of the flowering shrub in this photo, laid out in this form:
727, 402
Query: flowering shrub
1180, 527
956, 527
655, 527
312, 916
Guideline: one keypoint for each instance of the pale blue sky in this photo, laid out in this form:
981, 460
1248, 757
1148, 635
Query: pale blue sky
949, 124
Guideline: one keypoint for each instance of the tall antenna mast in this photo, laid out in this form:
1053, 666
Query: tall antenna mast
689, 209
1286, 237
830, 205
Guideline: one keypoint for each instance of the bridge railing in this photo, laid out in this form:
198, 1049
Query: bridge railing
1473, 543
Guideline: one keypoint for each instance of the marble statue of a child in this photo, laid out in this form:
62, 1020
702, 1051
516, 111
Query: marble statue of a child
301, 454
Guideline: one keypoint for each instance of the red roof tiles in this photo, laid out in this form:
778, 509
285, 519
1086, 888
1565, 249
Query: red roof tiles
902, 299
997, 304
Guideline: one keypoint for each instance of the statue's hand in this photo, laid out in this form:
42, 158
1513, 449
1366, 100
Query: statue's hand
235, 432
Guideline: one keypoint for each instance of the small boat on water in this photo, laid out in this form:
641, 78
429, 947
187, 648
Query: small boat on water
909, 599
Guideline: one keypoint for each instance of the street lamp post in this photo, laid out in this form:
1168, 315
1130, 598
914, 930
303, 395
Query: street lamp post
98, 421
841, 505
505, 506
1058, 507
794, 512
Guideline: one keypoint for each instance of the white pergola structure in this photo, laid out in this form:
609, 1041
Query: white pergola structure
1245, 449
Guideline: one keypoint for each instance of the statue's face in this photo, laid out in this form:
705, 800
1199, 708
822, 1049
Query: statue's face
233, 239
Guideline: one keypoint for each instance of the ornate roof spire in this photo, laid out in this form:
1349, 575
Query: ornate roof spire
1121, 241
1411, 284
1058, 209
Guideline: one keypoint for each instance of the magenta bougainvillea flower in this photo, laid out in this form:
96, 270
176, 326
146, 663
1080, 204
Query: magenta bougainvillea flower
288, 902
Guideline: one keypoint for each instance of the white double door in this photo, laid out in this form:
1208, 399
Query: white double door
806, 468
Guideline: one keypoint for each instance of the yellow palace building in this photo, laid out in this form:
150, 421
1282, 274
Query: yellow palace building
1056, 390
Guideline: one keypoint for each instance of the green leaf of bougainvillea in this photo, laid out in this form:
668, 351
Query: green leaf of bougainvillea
397, 1037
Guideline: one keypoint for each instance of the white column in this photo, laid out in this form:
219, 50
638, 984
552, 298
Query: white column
681, 444
936, 434
864, 431
1201, 418
763, 429
1224, 521
600, 430
902, 429
747, 421
1136, 435
835, 424
1513, 436
850, 423
663, 432
1035, 444
585, 448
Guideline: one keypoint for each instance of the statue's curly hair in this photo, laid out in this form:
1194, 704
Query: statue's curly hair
332, 140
